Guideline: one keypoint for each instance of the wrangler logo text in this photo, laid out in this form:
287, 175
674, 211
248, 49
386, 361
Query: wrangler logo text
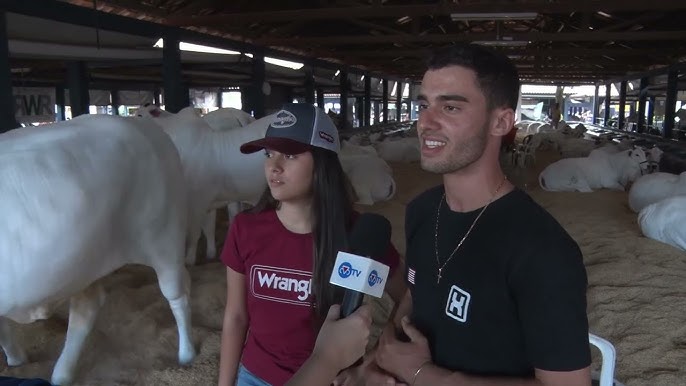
281, 284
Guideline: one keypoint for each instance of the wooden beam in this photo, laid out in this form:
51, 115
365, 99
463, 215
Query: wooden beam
379, 27
646, 17
124, 5
551, 63
554, 52
589, 36
394, 11
194, 6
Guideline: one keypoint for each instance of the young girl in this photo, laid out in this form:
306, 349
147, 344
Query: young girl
280, 255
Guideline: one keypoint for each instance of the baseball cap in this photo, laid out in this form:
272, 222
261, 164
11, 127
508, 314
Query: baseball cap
296, 128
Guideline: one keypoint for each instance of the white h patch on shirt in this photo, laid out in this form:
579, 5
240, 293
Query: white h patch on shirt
458, 304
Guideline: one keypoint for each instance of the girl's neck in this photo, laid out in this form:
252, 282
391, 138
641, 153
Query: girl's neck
296, 216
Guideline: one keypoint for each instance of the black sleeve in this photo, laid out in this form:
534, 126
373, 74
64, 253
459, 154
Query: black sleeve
549, 285
410, 224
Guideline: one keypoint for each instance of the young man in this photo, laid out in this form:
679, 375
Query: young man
497, 288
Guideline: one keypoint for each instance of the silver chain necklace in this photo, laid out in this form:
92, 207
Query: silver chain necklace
438, 215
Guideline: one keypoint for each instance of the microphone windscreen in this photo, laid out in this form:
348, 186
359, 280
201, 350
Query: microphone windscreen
370, 236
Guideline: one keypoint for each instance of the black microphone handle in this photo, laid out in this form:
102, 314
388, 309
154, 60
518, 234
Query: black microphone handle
352, 300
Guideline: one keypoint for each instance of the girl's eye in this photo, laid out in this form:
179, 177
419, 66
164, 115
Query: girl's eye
289, 156
267, 154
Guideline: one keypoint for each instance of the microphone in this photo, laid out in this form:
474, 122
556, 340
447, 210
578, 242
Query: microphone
359, 271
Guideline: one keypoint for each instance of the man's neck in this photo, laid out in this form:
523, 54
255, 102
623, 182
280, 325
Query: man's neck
474, 187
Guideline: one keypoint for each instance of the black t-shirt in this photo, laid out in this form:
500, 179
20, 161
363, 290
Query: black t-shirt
512, 298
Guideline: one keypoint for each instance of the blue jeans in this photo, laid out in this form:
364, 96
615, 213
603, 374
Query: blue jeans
8, 381
246, 378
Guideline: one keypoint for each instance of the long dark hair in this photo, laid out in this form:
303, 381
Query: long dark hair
332, 211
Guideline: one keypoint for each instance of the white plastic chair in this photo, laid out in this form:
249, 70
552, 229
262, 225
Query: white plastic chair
609, 357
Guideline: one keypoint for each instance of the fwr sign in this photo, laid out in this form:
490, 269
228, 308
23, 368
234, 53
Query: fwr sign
34, 104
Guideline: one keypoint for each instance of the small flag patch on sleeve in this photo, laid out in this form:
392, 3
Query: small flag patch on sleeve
410, 275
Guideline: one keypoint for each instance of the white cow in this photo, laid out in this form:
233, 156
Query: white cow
655, 187
370, 176
399, 149
605, 150
624, 144
576, 147
216, 171
149, 110
80, 199
350, 148
227, 118
548, 139
613, 171
221, 120
654, 156
664, 221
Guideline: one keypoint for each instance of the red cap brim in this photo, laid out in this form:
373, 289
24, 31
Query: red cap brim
282, 145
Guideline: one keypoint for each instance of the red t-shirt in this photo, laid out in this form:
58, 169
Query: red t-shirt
277, 264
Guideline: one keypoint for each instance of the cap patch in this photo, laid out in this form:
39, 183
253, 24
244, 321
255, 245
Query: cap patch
284, 119
326, 136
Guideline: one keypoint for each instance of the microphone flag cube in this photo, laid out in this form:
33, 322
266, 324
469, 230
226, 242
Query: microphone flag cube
360, 274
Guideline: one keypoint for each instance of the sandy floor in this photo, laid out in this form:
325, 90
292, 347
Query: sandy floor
637, 300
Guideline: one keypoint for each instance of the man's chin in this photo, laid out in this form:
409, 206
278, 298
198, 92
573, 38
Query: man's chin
431, 167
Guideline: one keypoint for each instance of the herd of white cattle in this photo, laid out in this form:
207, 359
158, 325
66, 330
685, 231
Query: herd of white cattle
659, 198
84, 197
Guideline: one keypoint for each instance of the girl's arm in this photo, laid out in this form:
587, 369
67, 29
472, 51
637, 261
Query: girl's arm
234, 328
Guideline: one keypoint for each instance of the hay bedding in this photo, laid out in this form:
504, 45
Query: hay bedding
636, 299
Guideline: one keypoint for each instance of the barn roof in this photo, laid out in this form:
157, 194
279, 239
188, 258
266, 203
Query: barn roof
565, 41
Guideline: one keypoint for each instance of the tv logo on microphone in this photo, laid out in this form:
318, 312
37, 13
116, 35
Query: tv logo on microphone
374, 278
345, 270
359, 273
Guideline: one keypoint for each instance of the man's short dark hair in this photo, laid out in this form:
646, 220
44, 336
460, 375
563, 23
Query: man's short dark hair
496, 75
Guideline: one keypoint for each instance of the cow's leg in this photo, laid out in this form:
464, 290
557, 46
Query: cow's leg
208, 228
83, 310
365, 198
583, 186
615, 185
175, 284
15, 354
192, 241
232, 209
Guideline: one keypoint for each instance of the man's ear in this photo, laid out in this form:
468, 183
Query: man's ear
502, 121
